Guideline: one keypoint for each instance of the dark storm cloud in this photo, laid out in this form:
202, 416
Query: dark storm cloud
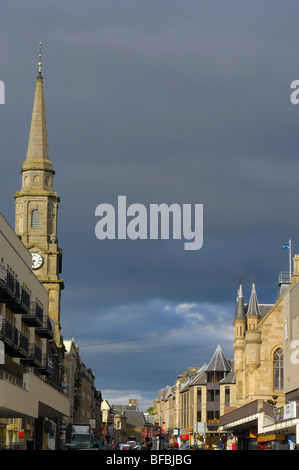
169, 101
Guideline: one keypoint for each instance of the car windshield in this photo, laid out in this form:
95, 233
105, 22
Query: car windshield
80, 437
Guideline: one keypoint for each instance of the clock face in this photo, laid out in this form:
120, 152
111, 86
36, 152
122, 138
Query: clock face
37, 260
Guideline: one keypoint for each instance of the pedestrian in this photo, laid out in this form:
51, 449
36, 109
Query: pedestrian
220, 445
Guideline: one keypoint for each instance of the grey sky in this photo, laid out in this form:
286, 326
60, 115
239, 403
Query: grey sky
161, 101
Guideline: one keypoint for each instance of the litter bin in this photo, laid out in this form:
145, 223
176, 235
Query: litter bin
30, 444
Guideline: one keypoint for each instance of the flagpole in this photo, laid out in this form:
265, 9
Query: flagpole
290, 259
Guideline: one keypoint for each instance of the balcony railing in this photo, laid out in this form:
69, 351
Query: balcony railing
23, 343
12, 379
45, 330
25, 298
10, 333
15, 341
284, 277
35, 353
11, 293
35, 315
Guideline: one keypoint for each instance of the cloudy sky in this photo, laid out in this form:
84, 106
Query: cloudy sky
169, 101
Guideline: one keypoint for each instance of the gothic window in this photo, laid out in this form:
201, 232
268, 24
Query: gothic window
35, 218
278, 369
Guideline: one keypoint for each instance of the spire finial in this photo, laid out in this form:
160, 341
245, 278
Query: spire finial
40, 60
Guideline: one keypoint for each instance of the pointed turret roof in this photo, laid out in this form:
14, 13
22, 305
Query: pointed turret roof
219, 362
253, 308
38, 148
240, 309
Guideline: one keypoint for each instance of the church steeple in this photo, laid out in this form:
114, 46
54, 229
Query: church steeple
38, 148
37, 206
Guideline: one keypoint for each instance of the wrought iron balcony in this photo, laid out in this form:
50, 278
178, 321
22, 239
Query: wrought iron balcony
34, 358
9, 333
23, 344
17, 298
46, 330
35, 315
16, 343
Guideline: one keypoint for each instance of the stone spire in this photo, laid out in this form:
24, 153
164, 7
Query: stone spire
240, 310
253, 308
38, 148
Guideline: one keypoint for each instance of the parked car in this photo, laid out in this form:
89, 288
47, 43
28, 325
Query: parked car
123, 446
192, 447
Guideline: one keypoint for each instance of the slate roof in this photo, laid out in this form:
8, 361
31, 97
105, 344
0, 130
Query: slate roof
240, 310
164, 393
231, 376
263, 309
200, 376
219, 362
253, 307
135, 418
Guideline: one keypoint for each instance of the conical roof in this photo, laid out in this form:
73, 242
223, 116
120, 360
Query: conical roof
240, 310
253, 308
219, 362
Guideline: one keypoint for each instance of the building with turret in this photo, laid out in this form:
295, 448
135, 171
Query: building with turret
266, 339
258, 343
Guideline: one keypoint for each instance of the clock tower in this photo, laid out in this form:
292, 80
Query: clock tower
37, 206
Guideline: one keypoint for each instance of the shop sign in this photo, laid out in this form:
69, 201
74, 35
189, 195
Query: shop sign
157, 430
12, 427
147, 433
104, 430
50, 363
290, 410
200, 428
270, 437
287, 411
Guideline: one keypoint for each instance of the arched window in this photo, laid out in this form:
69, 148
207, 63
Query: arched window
278, 369
35, 218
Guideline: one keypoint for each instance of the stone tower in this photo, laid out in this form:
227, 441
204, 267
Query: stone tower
253, 335
37, 206
238, 347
